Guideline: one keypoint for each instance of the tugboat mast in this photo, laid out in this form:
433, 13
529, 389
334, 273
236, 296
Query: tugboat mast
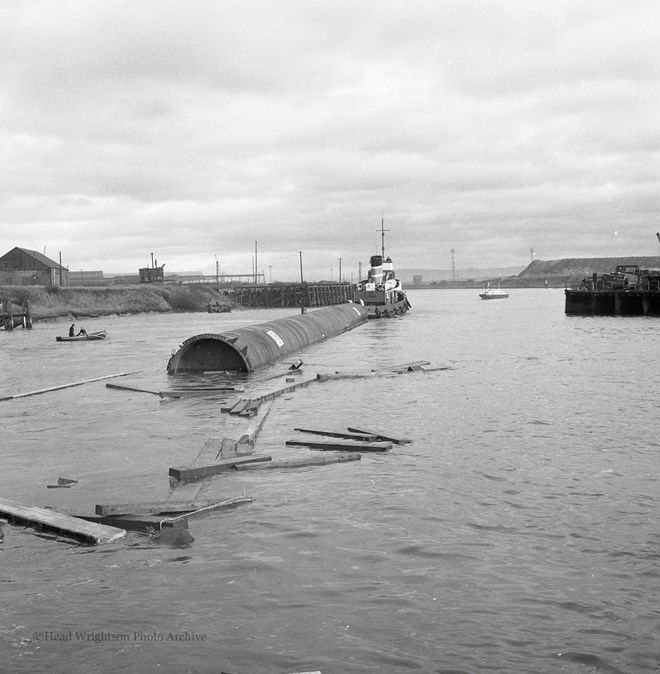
382, 236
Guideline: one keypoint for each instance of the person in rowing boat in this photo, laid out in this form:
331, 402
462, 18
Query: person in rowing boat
82, 332
72, 330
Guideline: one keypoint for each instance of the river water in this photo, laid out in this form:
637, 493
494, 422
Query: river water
517, 532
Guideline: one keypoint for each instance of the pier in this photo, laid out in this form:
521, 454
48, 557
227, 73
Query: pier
14, 315
627, 292
292, 294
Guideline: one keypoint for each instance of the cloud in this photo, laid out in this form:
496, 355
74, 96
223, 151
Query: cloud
195, 129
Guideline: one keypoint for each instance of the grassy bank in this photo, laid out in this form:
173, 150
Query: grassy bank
54, 303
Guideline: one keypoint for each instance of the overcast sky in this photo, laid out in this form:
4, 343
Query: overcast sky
194, 129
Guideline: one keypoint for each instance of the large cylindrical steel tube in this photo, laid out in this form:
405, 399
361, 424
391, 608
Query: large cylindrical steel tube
247, 349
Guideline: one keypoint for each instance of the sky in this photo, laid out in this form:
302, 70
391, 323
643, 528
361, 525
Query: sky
229, 134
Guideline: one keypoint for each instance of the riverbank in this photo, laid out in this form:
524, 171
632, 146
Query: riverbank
49, 304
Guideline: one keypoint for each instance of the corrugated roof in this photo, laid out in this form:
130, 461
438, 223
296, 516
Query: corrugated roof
41, 258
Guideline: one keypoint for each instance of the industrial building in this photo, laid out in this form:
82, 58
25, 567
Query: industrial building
22, 267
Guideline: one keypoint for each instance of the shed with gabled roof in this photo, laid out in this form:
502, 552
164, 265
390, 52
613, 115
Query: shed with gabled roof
23, 267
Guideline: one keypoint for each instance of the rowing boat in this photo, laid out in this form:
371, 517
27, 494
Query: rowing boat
89, 336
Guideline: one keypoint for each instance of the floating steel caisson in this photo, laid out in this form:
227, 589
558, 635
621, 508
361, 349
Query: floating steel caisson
247, 349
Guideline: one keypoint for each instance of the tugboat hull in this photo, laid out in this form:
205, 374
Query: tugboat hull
378, 305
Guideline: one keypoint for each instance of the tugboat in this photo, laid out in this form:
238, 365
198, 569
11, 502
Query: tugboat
381, 293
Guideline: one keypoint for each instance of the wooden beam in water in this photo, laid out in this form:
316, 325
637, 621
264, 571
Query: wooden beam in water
282, 391
250, 436
159, 508
341, 446
239, 407
58, 523
191, 490
129, 522
191, 473
228, 405
301, 463
62, 386
382, 436
415, 365
198, 392
349, 375
119, 387
361, 437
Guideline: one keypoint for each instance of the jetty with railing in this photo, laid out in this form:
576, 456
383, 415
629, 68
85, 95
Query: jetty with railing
291, 294
629, 291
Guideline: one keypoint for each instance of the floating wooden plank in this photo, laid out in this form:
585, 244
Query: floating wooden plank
159, 508
130, 522
228, 405
349, 375
286, 389
58, 523
301, 463
409, 367
250, 436
341, 446
381, 436
191, 473
251, 410
66, 480
238, 500
237, 409
197, 392
361, 437
119, 387
228, 448
190, 491
63, 386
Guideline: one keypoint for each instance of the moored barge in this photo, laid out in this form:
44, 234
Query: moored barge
629, 291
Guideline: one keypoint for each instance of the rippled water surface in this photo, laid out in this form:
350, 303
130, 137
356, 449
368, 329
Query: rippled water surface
517, 532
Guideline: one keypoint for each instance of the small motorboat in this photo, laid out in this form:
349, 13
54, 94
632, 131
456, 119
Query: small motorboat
490, 294
85, 337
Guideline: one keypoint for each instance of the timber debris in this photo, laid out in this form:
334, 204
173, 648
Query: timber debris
59, 523
218, 456
341, 446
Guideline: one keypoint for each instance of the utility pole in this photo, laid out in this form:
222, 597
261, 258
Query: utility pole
453, 266
339, 270
301, 268
256, 265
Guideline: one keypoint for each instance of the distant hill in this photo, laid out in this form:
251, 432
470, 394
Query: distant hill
582, 266
431, 275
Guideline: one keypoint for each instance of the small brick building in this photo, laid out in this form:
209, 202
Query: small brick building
22, 267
